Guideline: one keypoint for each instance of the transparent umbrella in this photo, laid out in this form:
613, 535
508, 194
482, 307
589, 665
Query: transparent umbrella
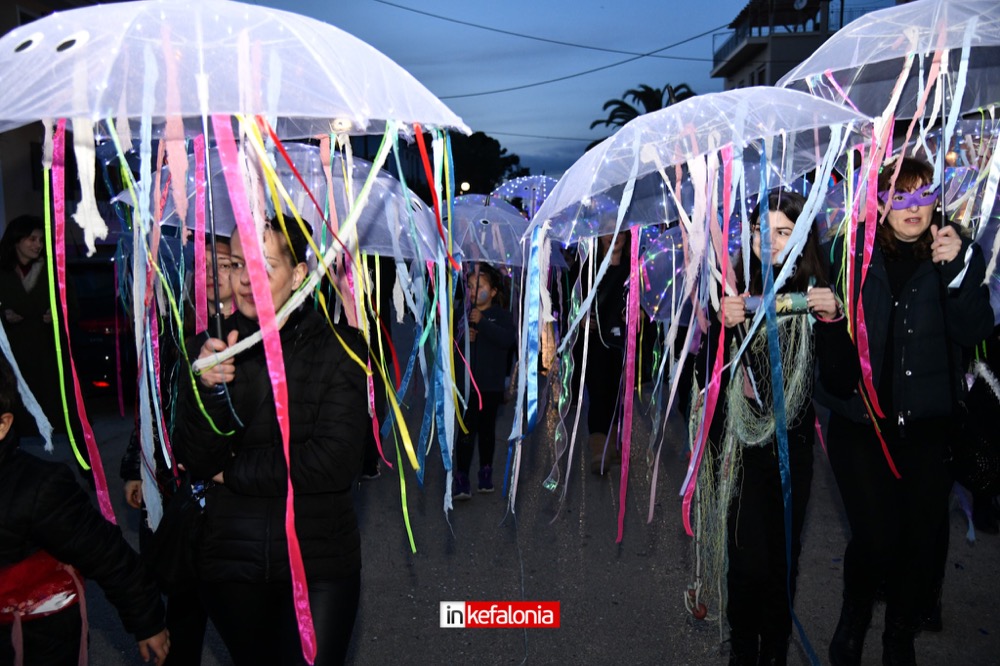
391, 223
531, 190
792, 130
488, 232
189, 58
944, 49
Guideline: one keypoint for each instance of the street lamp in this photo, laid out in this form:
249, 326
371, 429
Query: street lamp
465, 187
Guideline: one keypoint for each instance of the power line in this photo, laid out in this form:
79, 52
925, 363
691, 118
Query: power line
539, 136
577, 74
652, 54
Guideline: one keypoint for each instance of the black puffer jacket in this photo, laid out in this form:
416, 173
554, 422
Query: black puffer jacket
244, 537
43, 507
933, 328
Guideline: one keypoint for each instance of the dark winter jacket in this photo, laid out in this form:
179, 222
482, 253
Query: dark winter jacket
43, 508
488, 352
244, 532
933, 326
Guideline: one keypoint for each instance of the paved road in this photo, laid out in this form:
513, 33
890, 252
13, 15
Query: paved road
619, 602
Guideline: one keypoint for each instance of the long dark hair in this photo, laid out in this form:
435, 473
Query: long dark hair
626, 247
914, 173
809, 269
496, 281
293, 241
17, 230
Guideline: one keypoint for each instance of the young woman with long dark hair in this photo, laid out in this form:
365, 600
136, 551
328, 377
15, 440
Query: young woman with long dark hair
740, 487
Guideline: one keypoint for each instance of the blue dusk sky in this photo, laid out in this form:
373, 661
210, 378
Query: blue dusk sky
547, 125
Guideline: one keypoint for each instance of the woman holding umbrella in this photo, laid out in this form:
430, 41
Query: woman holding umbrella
744, 442
924, 306
244, 561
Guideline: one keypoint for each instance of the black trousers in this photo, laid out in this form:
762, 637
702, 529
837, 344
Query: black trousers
757, 580
186, 621
257, 620
604, 377
482, 425
186, 617
896, 524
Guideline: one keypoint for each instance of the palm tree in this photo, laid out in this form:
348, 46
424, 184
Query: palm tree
648, 98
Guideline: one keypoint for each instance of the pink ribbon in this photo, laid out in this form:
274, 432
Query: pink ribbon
871, 223
59, 242
629, 388
259, 284
200, 283
154, 334
712, 390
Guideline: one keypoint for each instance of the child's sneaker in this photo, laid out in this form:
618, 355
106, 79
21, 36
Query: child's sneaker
486, 479
460, 487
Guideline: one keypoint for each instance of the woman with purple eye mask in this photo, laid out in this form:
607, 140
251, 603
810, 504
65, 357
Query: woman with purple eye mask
900, 200
924, 308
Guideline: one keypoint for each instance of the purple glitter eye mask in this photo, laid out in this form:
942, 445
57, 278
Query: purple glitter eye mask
924, 196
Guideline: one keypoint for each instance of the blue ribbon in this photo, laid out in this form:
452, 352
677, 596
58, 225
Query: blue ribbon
533, 315
778, 405
405, 384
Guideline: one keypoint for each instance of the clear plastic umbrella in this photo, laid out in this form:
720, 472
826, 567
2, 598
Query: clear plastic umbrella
918, 41
384, 226
188, 58
532, 190
488, 232
791, 129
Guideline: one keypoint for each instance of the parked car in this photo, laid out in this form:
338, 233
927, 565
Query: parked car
102, 341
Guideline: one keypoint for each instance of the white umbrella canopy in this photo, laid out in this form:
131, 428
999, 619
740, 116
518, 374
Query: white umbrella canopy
791, 127
867, 56
190, 57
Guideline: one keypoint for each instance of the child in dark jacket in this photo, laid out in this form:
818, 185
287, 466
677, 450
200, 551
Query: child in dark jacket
50, 533
491, 335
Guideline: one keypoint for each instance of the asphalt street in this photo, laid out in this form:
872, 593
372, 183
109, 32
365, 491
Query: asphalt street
619, 602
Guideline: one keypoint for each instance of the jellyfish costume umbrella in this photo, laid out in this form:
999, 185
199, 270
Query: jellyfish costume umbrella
190, 69
686, 163
931, 61
681, 164
392, 223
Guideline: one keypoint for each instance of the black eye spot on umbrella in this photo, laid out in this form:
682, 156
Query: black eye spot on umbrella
76, 40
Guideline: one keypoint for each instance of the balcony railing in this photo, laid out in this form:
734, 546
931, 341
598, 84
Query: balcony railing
725, 43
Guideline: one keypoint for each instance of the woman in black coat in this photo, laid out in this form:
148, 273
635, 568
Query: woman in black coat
244, 563
27, 318
741, 493
924, 307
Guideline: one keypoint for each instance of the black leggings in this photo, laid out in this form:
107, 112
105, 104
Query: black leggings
482, 424
896, 524
257, 620
604, 379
